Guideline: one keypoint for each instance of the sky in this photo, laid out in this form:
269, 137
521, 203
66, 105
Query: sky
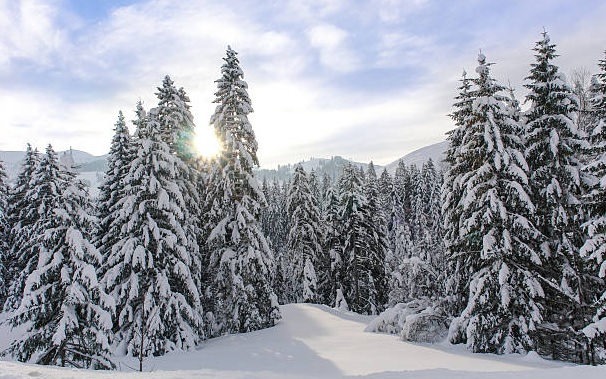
366, 80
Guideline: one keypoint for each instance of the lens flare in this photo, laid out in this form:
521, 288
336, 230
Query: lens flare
206, 143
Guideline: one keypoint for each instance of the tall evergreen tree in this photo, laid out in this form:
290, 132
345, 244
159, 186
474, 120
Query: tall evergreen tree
304, 237
431, 218
65, 309
595, 246
174, 122
503, 307
149, 269
459, 163
325, 280
553, 146
387, 200
140, 122
401, 235
314, 185
333, 247
392, 211
23, 212
377, 243
241, 264
275, 227
112, 189
266, 216
363, 266
352, 229
174, 119
4, 229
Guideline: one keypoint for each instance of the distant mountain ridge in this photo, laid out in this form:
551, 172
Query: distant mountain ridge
334, 165
93, 167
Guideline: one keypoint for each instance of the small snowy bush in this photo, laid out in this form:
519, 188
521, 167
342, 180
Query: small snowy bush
417, 320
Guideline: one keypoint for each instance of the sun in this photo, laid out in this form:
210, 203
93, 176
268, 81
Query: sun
206, 143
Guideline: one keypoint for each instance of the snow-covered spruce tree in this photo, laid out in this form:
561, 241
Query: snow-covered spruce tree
282, 254
432, 218
266, 216
318, 190
404, 186
326, 183
67, 313
387, 199
274, 220
377, 243
174, 119
595, 200
333, 247
503, 309
353, 236
325, 280
23, 212
595, 96
304, 237
149, 269
459, 162
175, 124
315, 187
112, 188
401, 233
267, 228
392, 209
362, 252
400, 237
241, 264
553, 147
4, 245
140, 124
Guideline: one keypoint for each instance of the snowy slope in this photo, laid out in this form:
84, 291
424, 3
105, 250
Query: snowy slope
318, 342
422, 155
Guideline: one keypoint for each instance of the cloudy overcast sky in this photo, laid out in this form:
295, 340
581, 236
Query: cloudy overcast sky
361, 79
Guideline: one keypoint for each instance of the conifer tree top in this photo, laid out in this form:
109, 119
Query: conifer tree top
231, 68
543, 70
230, 119
549, 93
140, 123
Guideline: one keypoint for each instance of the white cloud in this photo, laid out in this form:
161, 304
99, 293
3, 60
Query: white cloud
326, 36
331, 43
41, 119
396, 10
312, 10
29, 30
397, 49
182, 37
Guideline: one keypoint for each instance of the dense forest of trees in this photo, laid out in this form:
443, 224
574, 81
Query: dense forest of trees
503, 251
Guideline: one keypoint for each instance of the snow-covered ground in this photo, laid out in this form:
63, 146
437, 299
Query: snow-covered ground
418, 157
318, 342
